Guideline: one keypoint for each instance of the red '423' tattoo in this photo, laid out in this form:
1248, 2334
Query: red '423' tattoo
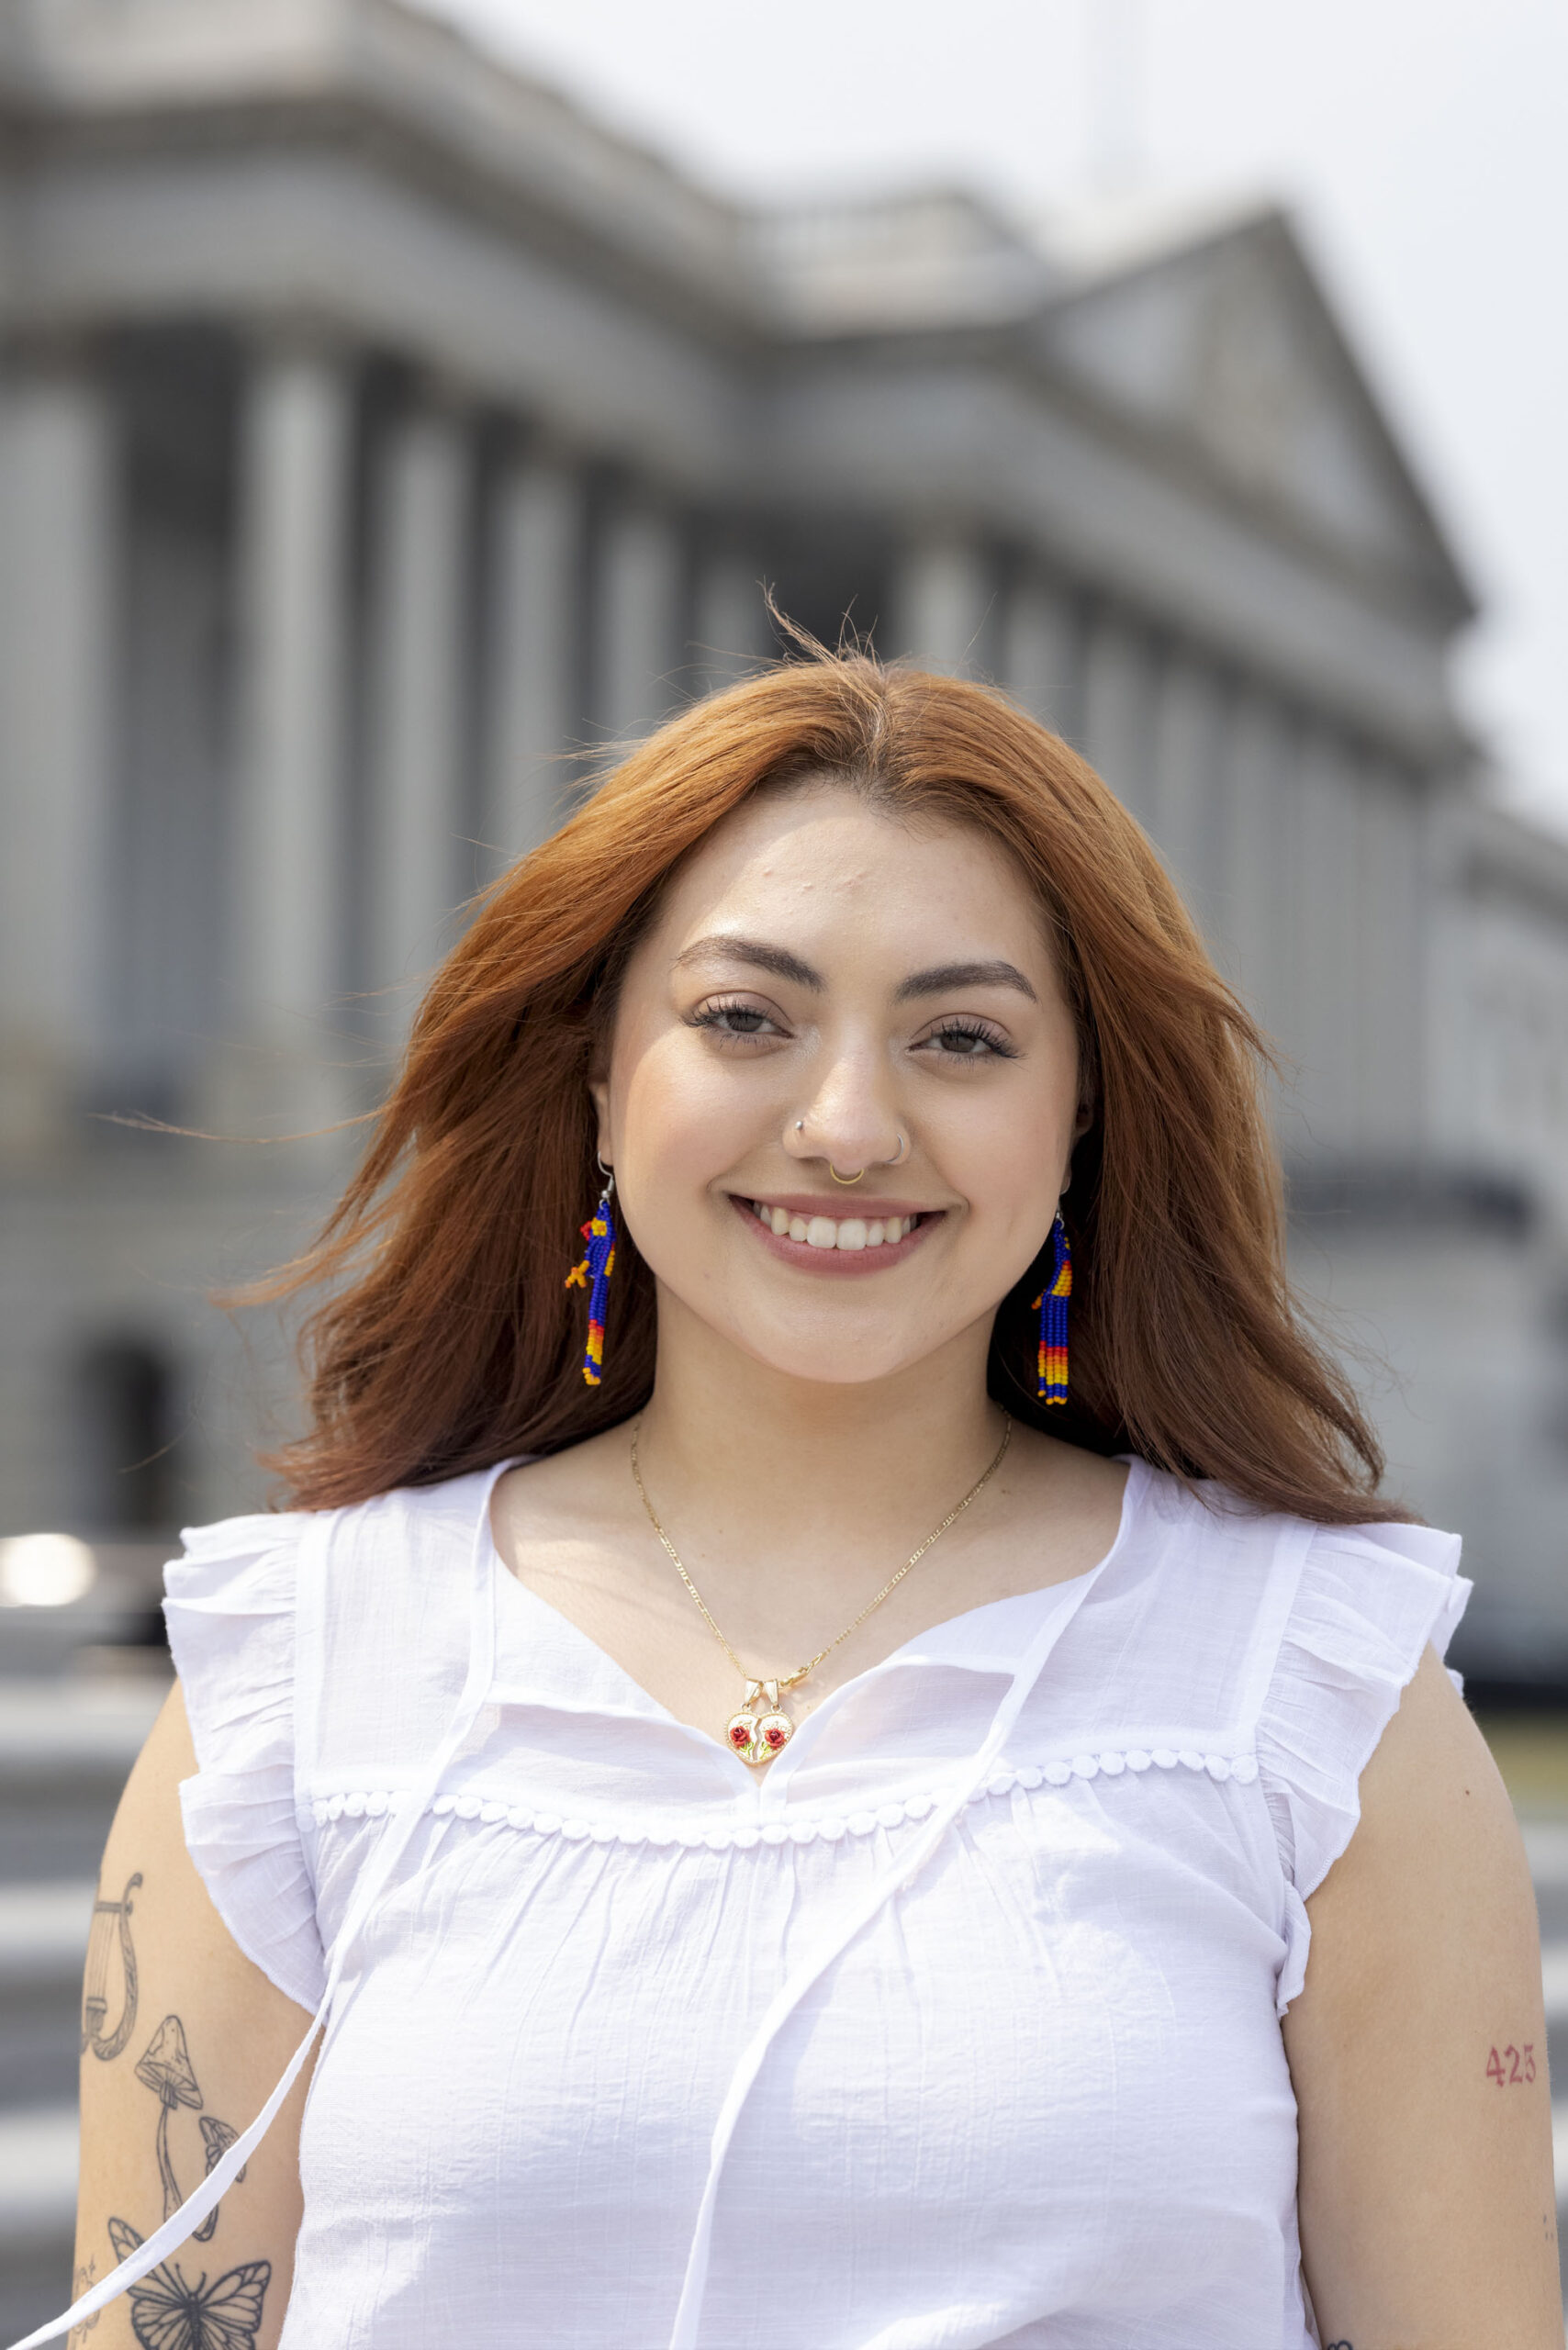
1514, 2068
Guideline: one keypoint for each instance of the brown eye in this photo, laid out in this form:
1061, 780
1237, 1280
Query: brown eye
733, 1020
967, 1040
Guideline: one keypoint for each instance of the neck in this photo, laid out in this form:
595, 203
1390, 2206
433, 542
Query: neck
741, 1457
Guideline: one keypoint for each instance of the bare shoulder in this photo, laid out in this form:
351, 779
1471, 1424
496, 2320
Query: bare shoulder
1417, 2052
1438, 1839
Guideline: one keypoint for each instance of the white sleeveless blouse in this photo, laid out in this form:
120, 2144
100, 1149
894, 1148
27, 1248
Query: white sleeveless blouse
957, 2026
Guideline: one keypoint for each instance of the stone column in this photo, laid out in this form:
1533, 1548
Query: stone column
639, 621
1118, 709
533, 717
1260, 870
1327, 888
58, 578
416, 677
1453, 1026
1188, 729
1041, 653
1391, 964
941, 599
731, 632
296, 447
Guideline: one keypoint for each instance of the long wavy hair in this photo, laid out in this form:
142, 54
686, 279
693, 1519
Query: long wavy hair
446, 1339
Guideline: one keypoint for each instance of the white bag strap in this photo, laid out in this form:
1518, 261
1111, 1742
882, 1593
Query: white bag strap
401, 1826
899, 1878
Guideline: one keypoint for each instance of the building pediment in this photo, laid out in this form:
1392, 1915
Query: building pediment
1225, 347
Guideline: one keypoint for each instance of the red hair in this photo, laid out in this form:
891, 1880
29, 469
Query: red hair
448, 1340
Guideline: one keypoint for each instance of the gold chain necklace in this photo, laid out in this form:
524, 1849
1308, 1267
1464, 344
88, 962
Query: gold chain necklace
761, 1729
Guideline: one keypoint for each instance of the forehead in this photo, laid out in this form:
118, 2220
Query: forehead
823, 855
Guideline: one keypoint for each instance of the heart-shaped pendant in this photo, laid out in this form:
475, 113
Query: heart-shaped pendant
760, 1731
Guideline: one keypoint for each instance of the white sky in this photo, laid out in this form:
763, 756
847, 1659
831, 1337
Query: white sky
1423, 144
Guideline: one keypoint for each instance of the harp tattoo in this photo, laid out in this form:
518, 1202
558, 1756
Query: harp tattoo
94, 1998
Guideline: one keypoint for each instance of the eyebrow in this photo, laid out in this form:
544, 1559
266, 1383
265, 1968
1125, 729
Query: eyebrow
720, 946
938, 980
944, 977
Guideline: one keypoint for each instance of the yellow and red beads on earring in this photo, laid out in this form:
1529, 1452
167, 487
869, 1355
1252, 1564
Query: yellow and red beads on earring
1050, 1370
592, 1273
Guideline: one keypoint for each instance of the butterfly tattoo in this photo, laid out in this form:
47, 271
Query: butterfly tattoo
168, 2314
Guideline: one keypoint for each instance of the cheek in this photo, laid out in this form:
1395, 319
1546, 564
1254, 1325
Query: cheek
682, 1116
1006, 1147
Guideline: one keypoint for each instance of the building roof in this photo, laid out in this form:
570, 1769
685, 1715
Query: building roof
360, 165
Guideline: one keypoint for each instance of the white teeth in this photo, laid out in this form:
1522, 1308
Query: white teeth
822, 1232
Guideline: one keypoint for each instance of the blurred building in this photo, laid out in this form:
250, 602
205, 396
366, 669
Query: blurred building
375, 429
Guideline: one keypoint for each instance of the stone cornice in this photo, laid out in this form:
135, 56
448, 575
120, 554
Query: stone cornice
172, 76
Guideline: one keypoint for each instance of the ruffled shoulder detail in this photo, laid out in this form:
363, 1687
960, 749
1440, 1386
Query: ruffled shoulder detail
231, 1613
1370, 1600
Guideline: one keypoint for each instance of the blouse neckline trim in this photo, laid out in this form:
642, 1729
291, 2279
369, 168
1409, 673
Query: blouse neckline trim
939, 1644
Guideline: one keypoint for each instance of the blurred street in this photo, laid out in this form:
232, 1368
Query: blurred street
66, 1748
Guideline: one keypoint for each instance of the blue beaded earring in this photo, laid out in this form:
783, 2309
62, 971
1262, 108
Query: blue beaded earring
592, 1273
1050, 1368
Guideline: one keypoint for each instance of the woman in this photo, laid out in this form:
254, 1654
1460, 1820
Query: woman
814, 1827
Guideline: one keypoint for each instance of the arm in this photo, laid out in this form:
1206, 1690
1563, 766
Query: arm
1428, 2211
210, 2037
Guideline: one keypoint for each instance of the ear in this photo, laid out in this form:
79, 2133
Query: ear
598, 1089
1083, 1119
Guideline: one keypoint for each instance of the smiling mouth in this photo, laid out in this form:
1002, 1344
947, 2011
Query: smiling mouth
852, 1233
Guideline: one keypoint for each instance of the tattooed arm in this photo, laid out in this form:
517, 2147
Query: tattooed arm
183, 2040
1419, 2053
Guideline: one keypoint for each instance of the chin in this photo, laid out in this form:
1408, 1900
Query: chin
833, 1361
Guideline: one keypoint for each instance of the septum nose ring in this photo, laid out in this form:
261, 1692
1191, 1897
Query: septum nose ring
897, 1161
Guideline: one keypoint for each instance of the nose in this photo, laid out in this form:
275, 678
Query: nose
851, 1120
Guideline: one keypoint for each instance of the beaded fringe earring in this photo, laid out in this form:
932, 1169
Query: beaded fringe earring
1050, 1370
593, 1273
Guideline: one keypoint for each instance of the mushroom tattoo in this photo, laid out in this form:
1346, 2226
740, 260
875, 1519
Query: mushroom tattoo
218, 2138
167, 2067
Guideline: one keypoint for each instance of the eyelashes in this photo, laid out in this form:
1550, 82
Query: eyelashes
976, 1032
716, 1018
735, 1021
